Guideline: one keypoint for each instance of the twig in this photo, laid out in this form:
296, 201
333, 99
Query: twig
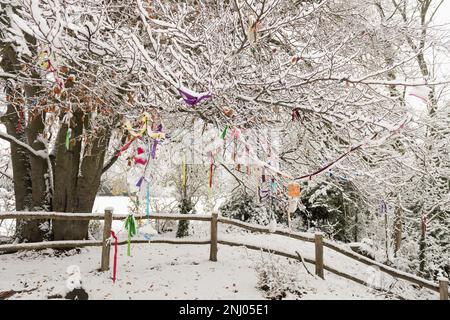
7, 294
303, 262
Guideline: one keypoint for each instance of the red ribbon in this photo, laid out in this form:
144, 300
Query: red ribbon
115, 256
295, 114
247, 150
55, 74
424, 223
140, 161
126, 146
211, 170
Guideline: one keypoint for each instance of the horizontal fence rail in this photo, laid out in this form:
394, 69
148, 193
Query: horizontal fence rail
292, 256
87, 243
214, 219
262, 229
389, 270
97, 216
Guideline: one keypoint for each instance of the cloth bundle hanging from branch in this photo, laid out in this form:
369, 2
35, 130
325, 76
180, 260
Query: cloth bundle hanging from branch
155, 135
142, 130
253, 32
191, 97
156, 138
68, 136
46, 64
140, 160
295, 114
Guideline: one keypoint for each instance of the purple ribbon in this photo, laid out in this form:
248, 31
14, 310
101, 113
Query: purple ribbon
139, 182
155, 142
153, 153
191, 99
383, 207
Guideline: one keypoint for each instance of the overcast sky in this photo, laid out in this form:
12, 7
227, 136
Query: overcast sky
442, 20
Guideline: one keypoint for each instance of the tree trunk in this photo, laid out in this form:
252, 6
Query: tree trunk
422, 246
26, 230
75, 182
398, 229
66, 173
76, 186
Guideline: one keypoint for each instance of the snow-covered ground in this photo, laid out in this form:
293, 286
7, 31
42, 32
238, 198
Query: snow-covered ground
166, 271
160, 271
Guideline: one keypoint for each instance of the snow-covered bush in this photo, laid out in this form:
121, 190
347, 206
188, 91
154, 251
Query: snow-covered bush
276, 280
186, 207
242, 206
334, 206
95, 229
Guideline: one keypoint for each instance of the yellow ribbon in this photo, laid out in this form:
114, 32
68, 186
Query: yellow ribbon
43, 60
141, 131
156, 135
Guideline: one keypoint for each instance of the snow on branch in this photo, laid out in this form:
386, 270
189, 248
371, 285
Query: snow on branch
37, 153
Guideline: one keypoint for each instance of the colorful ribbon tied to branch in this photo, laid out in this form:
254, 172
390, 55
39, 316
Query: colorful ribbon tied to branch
142, 130
130, 226
139, 182
211, 167
156, 140
191, 97
68, 135
252, 32
383, 207
295, 114
126, 146
140, 161
274, 186
115, 256
46, 64
147, 203
224, 133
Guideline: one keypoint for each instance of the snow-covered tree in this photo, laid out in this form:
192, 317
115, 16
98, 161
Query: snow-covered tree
335, 79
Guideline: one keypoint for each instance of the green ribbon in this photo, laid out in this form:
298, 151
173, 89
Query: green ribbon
130, 225
224, 133
68, 134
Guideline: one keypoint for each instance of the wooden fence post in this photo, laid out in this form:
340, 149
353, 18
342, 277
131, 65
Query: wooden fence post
213, 245
106, 235
443, 288
318, 240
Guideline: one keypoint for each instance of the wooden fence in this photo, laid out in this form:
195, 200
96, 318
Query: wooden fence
214, 219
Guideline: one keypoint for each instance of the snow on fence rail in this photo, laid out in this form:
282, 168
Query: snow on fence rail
97, 216
317, 239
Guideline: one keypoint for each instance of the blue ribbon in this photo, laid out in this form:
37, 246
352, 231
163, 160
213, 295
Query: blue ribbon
147, 209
